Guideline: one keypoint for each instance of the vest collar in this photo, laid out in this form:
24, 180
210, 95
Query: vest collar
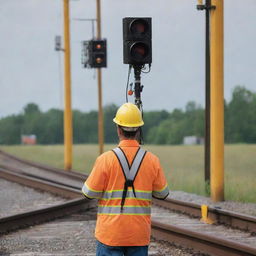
129, 143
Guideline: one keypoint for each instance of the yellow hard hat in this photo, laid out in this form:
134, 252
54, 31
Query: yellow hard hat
128, 115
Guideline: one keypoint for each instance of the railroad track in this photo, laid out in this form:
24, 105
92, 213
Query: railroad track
182, 236
77, 202
232, 219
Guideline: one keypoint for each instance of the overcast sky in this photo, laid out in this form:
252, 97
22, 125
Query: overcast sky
31, 71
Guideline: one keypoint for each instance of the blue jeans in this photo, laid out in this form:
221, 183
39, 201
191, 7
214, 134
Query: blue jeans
106, 250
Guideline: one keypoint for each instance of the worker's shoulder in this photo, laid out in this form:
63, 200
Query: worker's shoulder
151, 156
108, 155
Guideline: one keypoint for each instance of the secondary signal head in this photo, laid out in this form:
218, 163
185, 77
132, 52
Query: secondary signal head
98, 53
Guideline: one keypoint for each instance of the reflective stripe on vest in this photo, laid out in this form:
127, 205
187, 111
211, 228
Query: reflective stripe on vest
129, 172
117, 194
128, 210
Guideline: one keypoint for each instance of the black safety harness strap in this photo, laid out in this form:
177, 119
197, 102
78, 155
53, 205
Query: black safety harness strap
129, 172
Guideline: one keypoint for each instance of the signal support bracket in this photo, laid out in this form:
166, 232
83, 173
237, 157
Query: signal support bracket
137, 85
207, 6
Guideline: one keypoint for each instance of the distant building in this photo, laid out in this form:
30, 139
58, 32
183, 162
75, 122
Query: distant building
28, 139
193, 140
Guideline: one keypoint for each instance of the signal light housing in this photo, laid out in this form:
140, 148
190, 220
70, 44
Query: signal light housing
97, 53
137, 45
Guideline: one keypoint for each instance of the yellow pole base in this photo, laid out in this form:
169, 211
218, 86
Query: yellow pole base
204, 214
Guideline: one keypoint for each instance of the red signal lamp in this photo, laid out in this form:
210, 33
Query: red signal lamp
98, 46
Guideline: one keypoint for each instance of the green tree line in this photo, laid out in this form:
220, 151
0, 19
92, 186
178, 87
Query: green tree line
161, 127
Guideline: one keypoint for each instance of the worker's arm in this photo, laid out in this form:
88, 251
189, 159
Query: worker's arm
93, 187
160, 186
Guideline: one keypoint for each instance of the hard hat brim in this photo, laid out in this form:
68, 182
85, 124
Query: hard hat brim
128, 125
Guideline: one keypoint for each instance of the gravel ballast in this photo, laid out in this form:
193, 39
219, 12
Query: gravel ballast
72, 236
245, 208
15, 198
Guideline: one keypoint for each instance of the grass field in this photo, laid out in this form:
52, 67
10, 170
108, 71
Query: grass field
183, 165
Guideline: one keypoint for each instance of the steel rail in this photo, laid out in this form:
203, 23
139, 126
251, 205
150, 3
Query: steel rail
28, 174
71, 173
232, 219
17, 221
209, 244
36, 183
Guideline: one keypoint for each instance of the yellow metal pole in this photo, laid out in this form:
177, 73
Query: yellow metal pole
98, 19
100, 113
217, 102
100, 110
68, 131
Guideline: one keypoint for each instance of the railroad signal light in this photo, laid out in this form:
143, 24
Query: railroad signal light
94, 53
97, 53
137, 45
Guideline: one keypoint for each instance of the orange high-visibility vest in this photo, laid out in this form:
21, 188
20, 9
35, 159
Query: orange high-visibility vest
132, 225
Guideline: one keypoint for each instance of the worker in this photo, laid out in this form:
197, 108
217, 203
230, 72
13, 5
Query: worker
124, 181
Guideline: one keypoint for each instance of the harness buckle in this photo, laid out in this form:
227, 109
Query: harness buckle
129, 183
